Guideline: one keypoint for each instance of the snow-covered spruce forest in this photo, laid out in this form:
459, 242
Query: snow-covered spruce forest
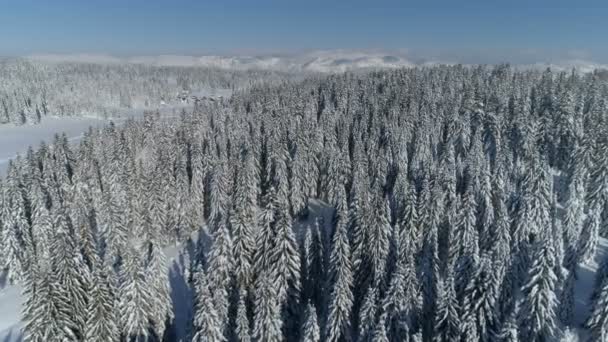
31, 90
424, 204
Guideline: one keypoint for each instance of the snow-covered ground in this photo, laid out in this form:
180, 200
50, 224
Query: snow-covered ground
584, 285
10, 313
177, 263
17, 139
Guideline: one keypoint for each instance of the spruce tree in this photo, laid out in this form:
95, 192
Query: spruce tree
243, 220
161, 311
267, 317
310, 329
597, 322
221, 266
367, 314
134, 298
341, 298
71, 279
447, 326
207, 323
41, 310
102, 323
242, 329
538, 308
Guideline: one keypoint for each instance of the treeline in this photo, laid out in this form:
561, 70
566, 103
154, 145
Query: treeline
462, 202
31, 90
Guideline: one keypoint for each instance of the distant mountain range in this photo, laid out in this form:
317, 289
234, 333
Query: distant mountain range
317, 61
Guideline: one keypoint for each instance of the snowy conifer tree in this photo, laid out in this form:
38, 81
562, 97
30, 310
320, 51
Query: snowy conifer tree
598, 320
310, 329
267, 318
341, 298
101, 324
221, 262
538, 309
134, 298
207, 323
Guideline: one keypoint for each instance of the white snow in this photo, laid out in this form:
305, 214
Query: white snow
315, 61
584, 284
177, 263
10, 313
11, 299
580, 65
17, 139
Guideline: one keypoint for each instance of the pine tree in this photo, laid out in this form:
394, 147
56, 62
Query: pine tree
134, 298
198, 182
71, 279
41, 309
242, 330
566, 299
285, 258
218, 200
379, 239
429, 265
267, 318
221, 266
597, 322
597, 191
314, 284
537, 315
243, 221
402, 303
467, 242
101, 324
367, 315
265, 236
380, 331
447, 320
16, 249
341, 298
509, 332
589, 235
298, 198
601, 277
573, 218
207, 323
480, 301
310, 329
157, 279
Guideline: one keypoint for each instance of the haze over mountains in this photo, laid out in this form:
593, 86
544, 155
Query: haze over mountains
316, 61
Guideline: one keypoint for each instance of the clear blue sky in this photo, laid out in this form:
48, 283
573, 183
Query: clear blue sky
477, 29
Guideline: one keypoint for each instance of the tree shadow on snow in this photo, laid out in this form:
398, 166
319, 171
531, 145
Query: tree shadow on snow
181, 294
3, 279
11, 338
583, 290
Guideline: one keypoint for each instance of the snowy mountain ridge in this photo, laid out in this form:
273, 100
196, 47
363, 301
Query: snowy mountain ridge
318, 61
323, 61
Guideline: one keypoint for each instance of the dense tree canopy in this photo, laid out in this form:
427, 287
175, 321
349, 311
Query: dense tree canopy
425, 204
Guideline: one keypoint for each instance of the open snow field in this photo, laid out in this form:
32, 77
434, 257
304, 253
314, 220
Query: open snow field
16, 140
